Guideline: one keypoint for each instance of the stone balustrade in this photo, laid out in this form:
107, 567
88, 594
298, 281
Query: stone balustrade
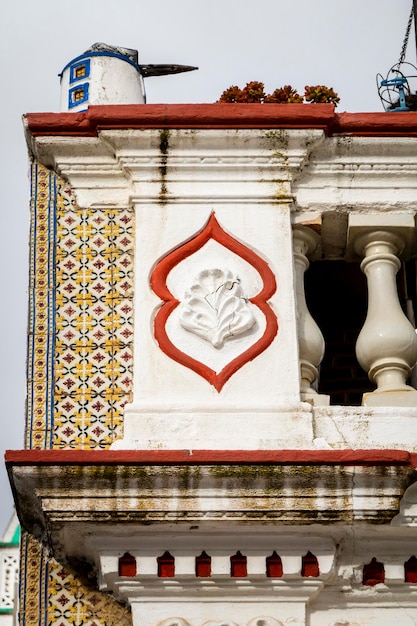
386, 347
310, 338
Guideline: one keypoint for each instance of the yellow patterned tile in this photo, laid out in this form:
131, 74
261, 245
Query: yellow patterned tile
73, 603
32, 579
87, 420
81, 324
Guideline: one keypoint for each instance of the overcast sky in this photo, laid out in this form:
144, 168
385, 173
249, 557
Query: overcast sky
341, 43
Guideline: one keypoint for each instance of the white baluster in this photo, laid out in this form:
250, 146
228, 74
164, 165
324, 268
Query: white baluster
387, 344
310, 339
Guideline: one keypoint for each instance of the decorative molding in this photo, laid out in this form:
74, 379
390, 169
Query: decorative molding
392, 457
49, 495
234, 116
240, 598
299, 167
183, 116
158, 281
256, 164
42, 309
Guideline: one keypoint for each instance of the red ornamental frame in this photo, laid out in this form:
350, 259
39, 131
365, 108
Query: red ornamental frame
158, 282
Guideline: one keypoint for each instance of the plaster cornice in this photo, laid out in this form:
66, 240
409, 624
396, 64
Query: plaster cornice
204, 486
216, 115
305, 157
387, 457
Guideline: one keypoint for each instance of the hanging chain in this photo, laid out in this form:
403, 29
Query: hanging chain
407, 34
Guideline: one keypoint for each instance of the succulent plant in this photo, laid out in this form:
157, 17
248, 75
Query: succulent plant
232, 94
254, 92
285, 94
321, 93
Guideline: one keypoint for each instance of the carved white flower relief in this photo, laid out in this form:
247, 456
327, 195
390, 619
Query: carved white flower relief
215, 308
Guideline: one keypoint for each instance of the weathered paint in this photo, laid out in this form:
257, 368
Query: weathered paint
271, 116
260, 169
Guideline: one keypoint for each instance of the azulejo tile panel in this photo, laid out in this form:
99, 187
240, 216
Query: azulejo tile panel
94, 282
80, 318
73, 602
41, 328
80, 362
94, 420
56, 596
33, 576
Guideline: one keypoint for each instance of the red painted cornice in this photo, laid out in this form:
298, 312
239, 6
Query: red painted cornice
210, 457
211, 116
377, 124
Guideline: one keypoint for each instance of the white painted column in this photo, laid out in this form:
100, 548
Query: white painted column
387, 344
310, 338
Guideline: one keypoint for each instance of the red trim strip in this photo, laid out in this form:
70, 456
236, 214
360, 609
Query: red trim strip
209, 116
378, 124
212, 230
211, 457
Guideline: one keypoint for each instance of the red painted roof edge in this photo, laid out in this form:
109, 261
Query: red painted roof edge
216, 115
210, 457
395, 124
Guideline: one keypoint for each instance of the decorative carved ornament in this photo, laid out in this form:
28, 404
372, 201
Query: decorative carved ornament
214, 306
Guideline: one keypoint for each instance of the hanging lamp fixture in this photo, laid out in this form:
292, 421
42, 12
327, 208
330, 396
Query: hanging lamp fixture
398, 89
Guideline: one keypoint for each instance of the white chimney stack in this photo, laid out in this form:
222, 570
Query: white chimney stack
102, 75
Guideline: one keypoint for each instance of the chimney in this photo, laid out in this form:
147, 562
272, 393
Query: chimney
102, 75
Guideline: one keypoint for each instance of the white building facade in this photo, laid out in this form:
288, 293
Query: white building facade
234, 486
9, 572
